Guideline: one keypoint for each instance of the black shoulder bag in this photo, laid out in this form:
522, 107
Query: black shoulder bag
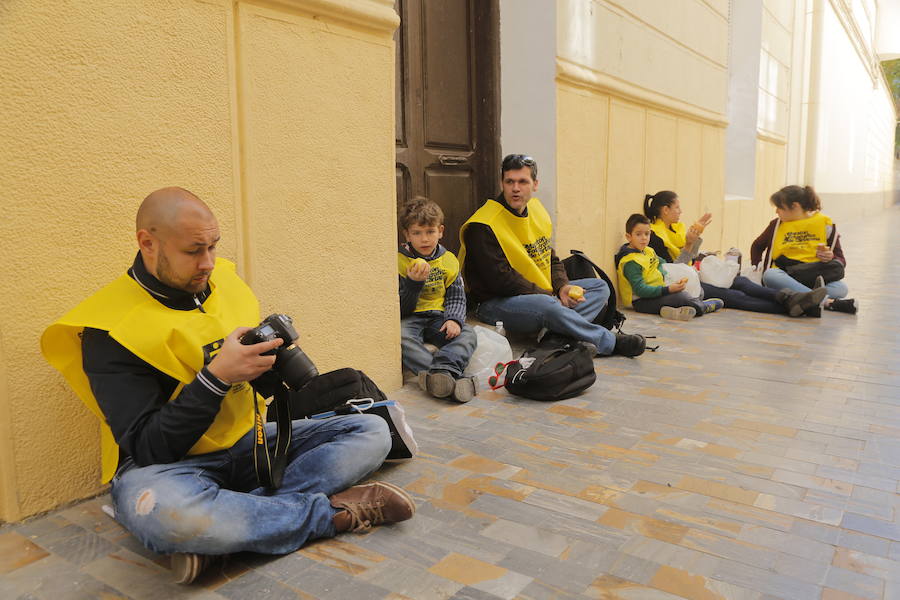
579, 266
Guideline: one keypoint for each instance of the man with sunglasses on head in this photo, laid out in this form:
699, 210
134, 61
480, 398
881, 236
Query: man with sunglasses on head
515, 276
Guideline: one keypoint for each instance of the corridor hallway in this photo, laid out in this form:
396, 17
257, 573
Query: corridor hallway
753, 456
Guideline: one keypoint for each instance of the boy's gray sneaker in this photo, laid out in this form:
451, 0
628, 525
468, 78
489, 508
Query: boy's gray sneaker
679, 313
464, 389
439, 384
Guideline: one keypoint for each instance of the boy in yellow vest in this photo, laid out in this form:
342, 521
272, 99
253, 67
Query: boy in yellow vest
642, 278
433, 305
157, 356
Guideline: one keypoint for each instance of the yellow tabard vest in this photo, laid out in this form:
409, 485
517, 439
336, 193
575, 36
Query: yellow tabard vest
172, 341
524, 240
444, 271
798, 239
649, 262
674, 240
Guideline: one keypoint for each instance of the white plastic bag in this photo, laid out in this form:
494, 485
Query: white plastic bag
678, 271
718, 272
492, 348
753, 273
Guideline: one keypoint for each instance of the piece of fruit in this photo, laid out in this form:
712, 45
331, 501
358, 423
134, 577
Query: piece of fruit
682, 280
418, 261
576, 292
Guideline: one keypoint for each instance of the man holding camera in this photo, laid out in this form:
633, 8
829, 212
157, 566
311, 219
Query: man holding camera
157, 355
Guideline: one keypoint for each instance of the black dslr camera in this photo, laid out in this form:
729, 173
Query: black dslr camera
291, 363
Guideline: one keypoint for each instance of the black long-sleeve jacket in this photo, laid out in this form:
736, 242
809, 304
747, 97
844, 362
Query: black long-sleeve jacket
134, 396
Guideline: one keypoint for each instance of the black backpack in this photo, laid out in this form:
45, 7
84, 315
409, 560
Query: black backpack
329, 390
549, 373
579, 266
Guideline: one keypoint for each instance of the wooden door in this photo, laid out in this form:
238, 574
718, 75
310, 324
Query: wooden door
447, 106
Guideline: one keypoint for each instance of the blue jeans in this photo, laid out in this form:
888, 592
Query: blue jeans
452, 355
529, 313
777, 279
746, 295
211, 503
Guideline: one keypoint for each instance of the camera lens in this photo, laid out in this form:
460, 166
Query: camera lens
295, 367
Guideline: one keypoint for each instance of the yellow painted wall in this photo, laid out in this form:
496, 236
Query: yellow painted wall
641, 101
612, 151
676, 50
746, 219
281, 119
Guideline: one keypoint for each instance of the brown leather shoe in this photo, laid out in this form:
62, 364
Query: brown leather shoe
186, 567
363, 506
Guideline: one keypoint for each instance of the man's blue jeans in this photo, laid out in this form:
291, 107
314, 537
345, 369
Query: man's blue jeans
777, 279
452, 355
529, 313
211, 503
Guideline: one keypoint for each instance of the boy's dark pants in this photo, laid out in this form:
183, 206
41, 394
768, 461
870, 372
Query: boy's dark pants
651, 306
746, 295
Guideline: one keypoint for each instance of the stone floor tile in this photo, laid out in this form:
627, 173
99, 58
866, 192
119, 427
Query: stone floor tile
526, 536
797, 508
572, 572
872, 526
54, 578
866, 494
765, 581
861, 542
17, 551
664, 553
633, 569
689, 585
877, 482
83, 548
469, 593
842, 502
566, 505
410, 581
810, 571
834, 486
894, 551
257, 585
855, 583
788, 543
610, 587
860, 562
833, 594
538, 590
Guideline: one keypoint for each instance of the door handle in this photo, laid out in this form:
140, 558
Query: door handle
449, 160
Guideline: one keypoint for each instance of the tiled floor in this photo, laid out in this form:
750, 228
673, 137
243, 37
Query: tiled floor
751, 457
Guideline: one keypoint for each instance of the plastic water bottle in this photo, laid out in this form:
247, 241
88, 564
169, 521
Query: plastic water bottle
498, 327
733, 255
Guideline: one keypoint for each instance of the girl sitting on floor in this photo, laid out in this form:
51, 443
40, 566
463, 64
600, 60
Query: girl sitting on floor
804, 249
672, 241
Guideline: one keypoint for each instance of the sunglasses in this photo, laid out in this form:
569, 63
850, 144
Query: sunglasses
494, 381
519, 159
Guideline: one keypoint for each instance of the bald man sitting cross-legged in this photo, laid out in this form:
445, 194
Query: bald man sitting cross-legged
156, 355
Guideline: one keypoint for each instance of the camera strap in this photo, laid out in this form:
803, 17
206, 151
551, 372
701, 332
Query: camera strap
270, 468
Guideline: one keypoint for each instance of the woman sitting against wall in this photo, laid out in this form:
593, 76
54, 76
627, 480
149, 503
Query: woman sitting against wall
804, 249
676, 243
